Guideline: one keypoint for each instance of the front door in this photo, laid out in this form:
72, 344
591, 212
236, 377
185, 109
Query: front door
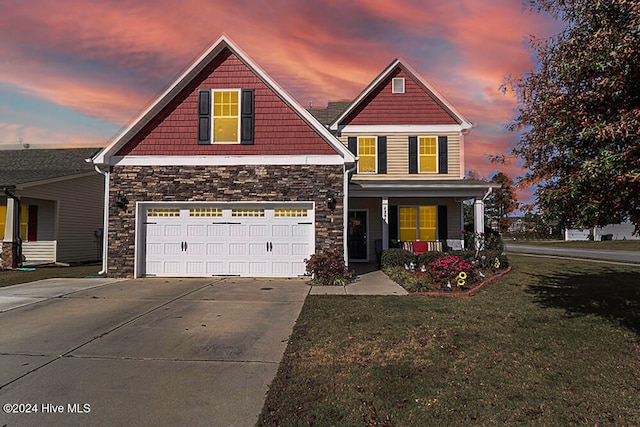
357, 237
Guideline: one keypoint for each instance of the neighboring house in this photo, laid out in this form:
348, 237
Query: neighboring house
51, 206
623, 231
226, 174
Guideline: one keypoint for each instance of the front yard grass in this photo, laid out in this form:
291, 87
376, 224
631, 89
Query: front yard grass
554, 342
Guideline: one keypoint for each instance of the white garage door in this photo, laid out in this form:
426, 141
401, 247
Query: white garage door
254, 240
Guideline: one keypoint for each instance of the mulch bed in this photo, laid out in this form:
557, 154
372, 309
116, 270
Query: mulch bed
469, 293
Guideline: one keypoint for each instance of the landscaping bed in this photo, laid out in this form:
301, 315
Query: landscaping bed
446, 273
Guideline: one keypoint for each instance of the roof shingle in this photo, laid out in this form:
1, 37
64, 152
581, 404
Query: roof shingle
31, 165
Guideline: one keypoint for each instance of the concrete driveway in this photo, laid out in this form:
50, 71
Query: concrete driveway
145, 352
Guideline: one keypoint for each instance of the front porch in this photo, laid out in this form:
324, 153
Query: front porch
385, 213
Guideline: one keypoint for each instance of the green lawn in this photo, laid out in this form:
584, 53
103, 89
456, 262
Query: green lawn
619, 245
13, 277
554, 342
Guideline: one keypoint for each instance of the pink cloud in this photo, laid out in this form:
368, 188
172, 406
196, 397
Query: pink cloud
109, 59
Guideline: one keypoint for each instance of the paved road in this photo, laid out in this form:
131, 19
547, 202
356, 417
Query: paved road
143, 352
621, 256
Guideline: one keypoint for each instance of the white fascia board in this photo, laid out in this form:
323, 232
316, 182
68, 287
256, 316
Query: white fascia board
435, 193
226, 160
404, 129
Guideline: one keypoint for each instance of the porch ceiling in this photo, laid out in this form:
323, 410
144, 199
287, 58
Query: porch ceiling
459, 188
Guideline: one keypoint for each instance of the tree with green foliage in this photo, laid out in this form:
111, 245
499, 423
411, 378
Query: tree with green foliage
579, 113
499, 204
502, 201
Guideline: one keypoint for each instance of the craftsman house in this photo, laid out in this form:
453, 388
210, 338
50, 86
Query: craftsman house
50, 206
226, 174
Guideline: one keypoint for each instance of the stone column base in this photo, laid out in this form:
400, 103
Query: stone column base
9, 255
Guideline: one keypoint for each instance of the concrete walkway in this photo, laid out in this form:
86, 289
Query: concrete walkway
368, 283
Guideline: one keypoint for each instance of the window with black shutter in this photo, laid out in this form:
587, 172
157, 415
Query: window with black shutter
226, 116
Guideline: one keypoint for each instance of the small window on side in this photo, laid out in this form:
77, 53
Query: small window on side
397, 85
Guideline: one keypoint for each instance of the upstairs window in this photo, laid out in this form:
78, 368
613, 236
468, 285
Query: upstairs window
225, 116
226, 119
397, 85
428, 154
367, 152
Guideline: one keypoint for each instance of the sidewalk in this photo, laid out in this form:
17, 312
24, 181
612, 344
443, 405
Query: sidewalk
368, 283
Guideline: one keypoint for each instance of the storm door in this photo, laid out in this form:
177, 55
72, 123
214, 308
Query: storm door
357, 235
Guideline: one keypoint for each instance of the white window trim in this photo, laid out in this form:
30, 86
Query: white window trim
393, 85
376, 155
213, 118
437, 155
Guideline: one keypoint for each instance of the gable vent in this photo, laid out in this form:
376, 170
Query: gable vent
397, 85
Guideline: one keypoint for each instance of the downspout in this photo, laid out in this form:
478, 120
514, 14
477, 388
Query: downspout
105, 217
15, 233
479, 218
489, 191
345, 203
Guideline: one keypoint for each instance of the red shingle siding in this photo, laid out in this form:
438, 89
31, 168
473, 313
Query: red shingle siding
414, 107
278, 129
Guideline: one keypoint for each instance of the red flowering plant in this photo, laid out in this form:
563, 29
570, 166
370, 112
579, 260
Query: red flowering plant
328, 268
452, 272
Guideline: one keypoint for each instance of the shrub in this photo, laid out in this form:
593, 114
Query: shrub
490, 239
327, 268
429, 257
396, 257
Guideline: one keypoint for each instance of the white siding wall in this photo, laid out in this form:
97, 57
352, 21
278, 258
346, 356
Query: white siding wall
80, 210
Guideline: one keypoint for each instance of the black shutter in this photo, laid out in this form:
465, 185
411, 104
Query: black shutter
353, 145
247, 117
413, 154
382, 154
393, 225
204, 117
442, 224
443, 155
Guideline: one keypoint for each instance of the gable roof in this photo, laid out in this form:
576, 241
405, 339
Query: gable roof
23, 166
189, 75
326, 115
418, 79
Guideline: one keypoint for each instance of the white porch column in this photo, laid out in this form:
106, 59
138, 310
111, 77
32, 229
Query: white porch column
10, 219
478, 220
385, 223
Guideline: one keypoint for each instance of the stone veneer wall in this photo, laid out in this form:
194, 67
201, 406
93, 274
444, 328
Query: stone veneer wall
218, 184
9, 255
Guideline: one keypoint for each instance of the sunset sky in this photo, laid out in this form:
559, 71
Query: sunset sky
73, 72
